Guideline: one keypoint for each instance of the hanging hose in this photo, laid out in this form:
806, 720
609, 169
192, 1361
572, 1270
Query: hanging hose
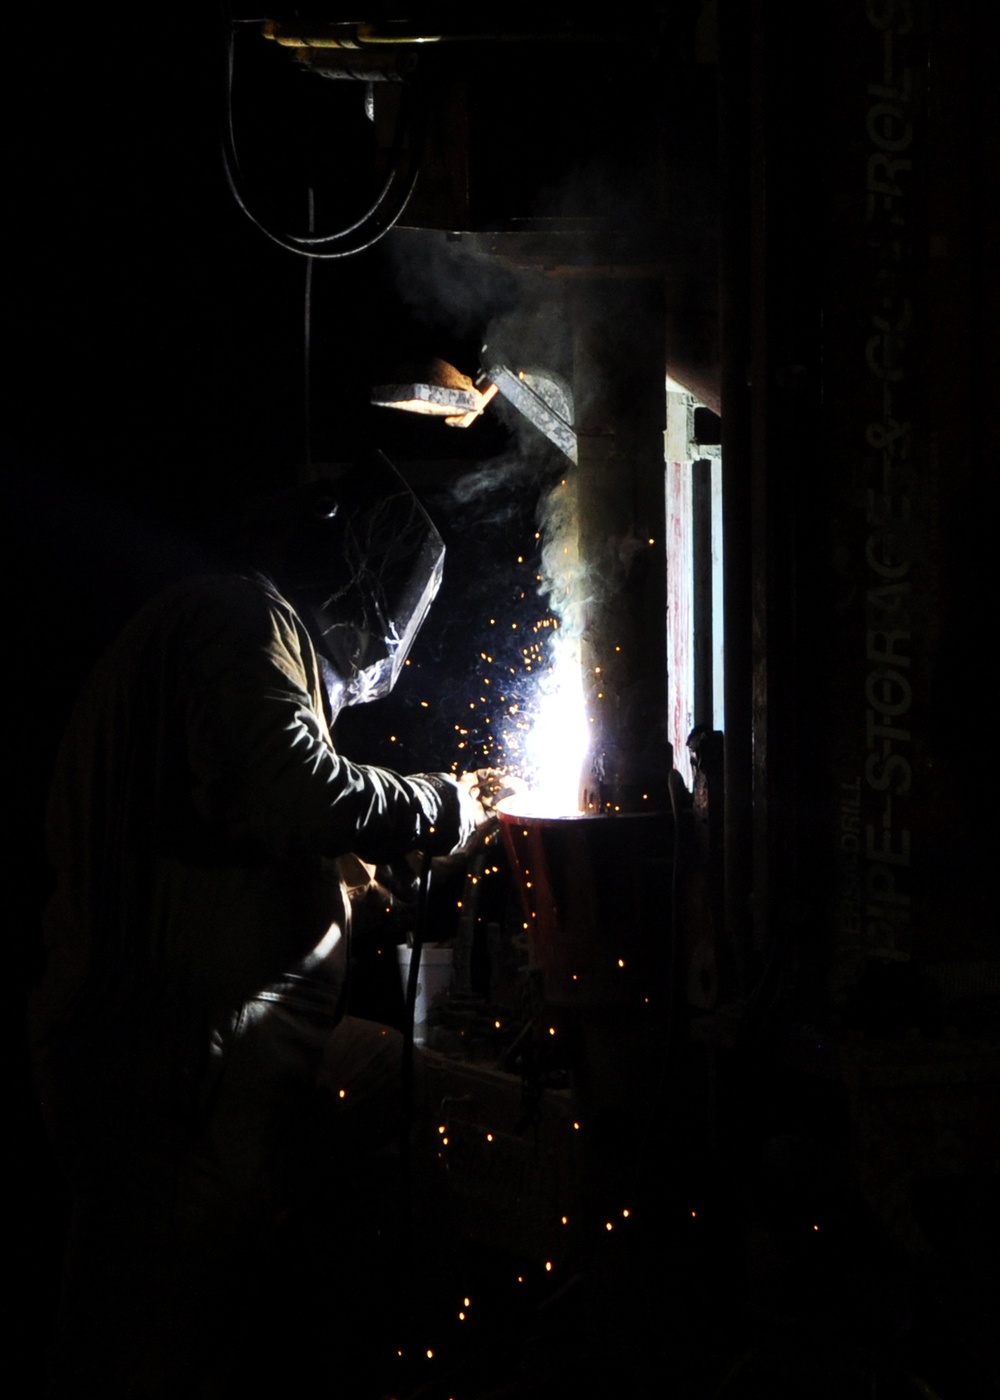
406, 1069
382, 214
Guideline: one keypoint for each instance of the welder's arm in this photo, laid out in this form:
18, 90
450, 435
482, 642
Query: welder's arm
265, 767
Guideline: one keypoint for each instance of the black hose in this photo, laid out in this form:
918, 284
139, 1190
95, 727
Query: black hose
381, 215
406, 1114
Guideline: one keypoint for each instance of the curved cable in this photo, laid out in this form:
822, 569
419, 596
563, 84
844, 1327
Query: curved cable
234, 174
294, 242
381, 215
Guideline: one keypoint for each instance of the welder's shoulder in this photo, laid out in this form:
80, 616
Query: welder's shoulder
237, 609
213, 639
237, 631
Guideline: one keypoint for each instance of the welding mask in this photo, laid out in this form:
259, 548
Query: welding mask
361, 560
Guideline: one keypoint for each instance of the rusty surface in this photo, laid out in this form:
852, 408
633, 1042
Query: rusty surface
596, 898
536, 409
427, 398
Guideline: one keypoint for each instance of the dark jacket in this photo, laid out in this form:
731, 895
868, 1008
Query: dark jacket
198, 810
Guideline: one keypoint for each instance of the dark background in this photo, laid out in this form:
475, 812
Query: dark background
154, 372
154, 376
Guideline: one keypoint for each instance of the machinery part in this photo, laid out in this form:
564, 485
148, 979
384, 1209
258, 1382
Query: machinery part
435, 400
532, 395
596, 897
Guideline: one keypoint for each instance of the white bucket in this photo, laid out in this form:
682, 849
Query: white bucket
433, 980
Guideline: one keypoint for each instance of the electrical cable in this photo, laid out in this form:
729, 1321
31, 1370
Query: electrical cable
382, 214
406, 1066
366, 228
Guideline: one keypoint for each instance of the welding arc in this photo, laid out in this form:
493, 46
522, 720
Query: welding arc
378, 219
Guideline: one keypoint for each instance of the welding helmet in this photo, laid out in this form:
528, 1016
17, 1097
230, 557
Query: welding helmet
361, 560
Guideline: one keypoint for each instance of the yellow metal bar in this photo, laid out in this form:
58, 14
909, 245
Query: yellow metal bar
368, 35
357, 37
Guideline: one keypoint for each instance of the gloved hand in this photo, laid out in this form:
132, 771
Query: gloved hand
463, 819
492, 785
477, 807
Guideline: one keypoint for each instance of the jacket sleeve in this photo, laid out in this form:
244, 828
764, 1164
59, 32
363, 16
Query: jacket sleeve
265, 775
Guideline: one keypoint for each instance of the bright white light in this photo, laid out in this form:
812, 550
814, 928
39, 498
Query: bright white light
557, 736
556, 745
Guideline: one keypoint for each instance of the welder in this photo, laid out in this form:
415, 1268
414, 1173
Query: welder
192, 1057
